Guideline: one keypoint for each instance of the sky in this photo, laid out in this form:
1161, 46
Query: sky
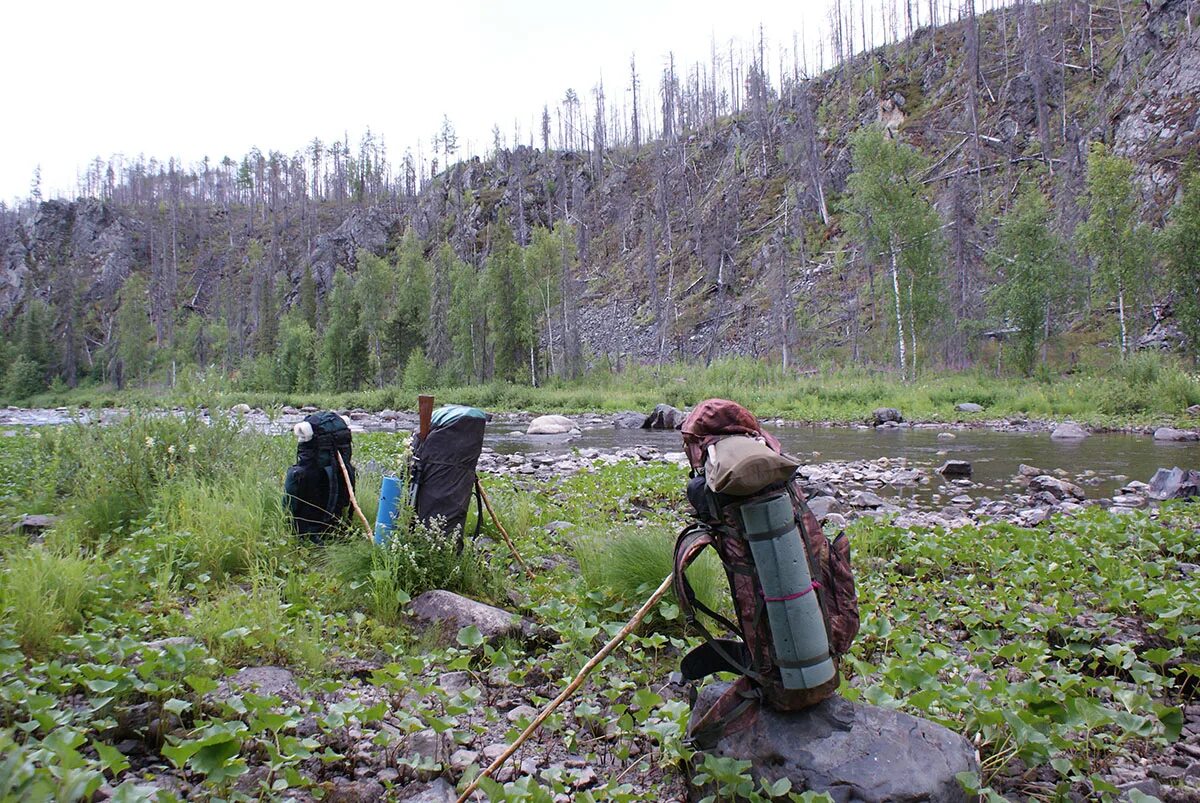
189, 80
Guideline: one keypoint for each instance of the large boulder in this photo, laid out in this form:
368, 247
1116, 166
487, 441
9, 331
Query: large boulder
955, 468
822, 506
1174, 483
551, 425
1069, 431
451, 612
629, 420
968, 407
886, 415
664, 416
850, 751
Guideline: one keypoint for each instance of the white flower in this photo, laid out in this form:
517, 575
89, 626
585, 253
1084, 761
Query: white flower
191, 448
149, 443
171, 449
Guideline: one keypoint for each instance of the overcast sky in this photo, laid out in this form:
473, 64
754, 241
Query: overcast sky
87, 79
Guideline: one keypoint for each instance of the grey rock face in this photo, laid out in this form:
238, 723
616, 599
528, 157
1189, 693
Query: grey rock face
452, 612
664, 417
851, 751
885, 415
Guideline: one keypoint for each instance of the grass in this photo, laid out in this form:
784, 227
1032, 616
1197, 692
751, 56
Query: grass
1061, 649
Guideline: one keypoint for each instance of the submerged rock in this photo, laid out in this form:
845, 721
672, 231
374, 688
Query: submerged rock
851, 751
955, 468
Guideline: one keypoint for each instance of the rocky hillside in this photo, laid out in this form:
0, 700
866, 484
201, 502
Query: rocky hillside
710, 240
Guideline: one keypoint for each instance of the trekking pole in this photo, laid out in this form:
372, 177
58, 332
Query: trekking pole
353, 500
572, 686
488, 504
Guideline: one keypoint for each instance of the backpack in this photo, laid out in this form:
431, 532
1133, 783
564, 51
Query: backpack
443, 469
785, 668
314, 492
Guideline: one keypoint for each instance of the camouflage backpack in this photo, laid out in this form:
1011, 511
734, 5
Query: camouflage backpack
752, 653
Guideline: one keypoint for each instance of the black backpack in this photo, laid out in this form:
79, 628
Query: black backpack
314, 491
443, 468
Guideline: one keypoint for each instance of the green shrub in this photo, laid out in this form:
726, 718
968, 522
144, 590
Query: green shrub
242, 627
43, 594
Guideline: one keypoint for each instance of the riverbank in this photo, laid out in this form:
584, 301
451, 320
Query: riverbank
1147, 391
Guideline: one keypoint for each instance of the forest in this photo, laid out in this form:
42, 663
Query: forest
965, 195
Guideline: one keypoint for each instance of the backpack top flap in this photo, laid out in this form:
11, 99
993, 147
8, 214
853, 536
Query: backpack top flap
329, 432
741, 465
714, 419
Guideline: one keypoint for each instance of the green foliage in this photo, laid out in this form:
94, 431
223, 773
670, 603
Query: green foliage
1181, 243
240, 627
409, 319
23, 378
134, 331
418, 372
1030, 258
509, 313
375, 297
893, 219
1111, 234
296, 359
43, 594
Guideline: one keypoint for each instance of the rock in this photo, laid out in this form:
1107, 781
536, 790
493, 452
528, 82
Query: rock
438, 790
969, 407
1069, 431
454, 682
886, 415
551, 425
34, 525
946, 436
629, 420
426, 746
1129, 500
461, 759
1059, 489
1172, 435
266, 681
955, 468
1174, 483
850, 750
1194, 409
452, 612
347, 791
664, 416
867, 499
1029, 471
240, 409
526, 712
170, 641
822, 506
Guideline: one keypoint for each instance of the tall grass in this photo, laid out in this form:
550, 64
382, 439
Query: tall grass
242, 627
43, 594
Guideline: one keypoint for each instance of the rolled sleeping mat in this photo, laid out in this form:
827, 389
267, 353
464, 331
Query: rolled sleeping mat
797, 626
390, 494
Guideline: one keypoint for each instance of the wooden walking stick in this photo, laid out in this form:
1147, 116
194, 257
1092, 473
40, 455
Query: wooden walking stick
488, 504
571, 687
353, 500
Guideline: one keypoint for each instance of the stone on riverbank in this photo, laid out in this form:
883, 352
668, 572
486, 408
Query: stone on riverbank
1059, 489
969, 407
1174, 483
955, 468
551, 425
1069, 431
849, 750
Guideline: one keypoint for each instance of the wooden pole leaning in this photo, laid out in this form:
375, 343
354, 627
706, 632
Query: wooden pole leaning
353, 500
553, 705
495, 520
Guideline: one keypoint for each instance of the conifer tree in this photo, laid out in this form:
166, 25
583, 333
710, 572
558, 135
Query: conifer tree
508, 309
134, 330
1112, 235
437, 333
308, 297
409, 319
1030, 259
375, 296
343, 359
